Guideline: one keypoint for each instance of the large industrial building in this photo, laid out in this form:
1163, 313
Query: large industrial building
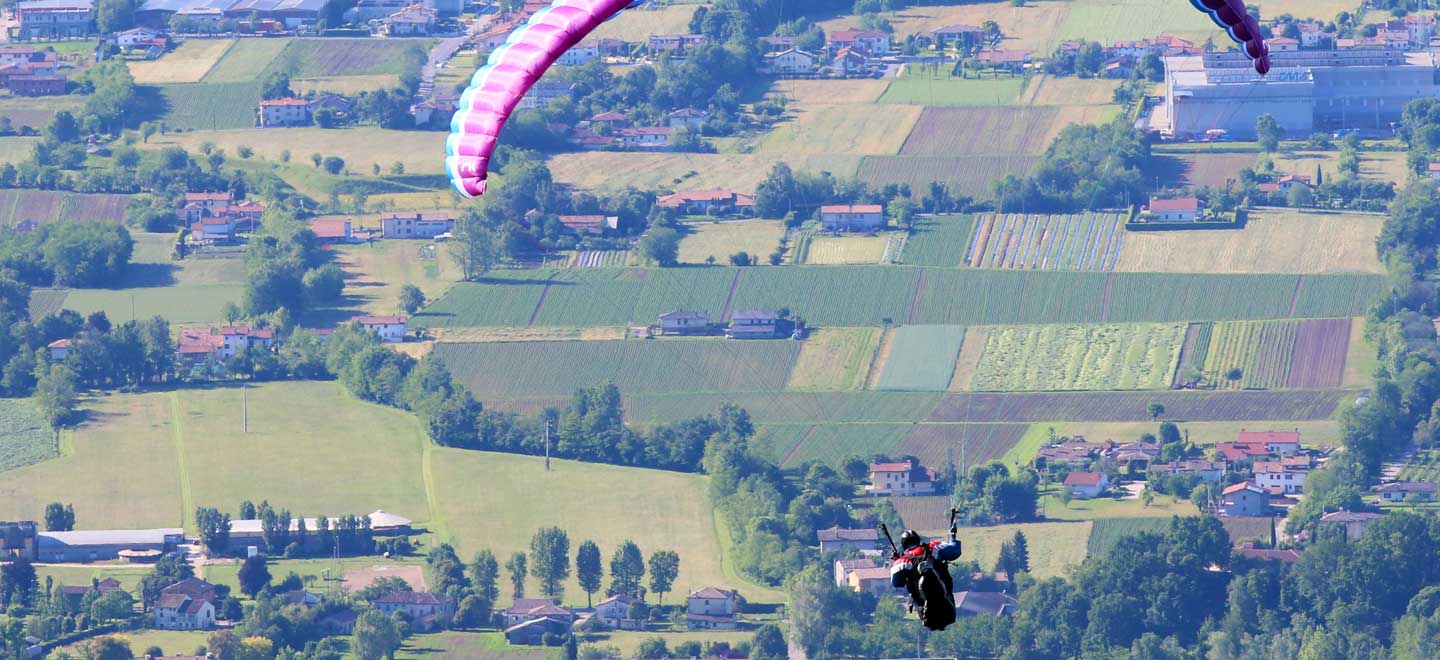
1306, 90
24, 540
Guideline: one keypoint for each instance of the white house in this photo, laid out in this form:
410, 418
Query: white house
283, 112
1311, 34
1086, 485
186, 605
1276, 442
1354, 522
236, 338
687, 118
423, 607
413, 224
390, 328
712, 608
1401, 491
645, 137
136, 37
872, 42
615, 613
59, 349
1276, 474
792, 62
900, 479
854, 217
580, 54
1182, 209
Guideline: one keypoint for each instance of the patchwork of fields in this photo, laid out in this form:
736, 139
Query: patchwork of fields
1073, 357
1307, 354
1092, 241
865, 296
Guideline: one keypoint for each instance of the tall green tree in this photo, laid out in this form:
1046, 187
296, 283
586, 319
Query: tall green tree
59, 517
474, 247
516, 567
627, 569
254, 575
376, 636
1268, 132
55, 393
589, 570
661, 245
664, 568
484, 573
114, 15
550, 560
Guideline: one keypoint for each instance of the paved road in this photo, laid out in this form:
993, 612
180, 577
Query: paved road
440, 54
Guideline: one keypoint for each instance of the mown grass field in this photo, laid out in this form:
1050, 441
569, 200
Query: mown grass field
493, 370
378, 271
1273, 241
1134, 406
1268, 354
787, 407
1108, 21
499, 500
1313, 433
921, 87
246, 60
721, 239
1029, 27
833, 359
1106, 508
1055, 547
188, 63
170, 641
1069, 91
1067, 357
25, 111
44, 206
1105, 533
864, 296
201, 303
315, 58
962, 444
921, 358
16, 149
206, 106
841, 250
806, 93
960, 132
359, 147
639, 24
971, 175
346, 85
856, 129
25, 437
834, 444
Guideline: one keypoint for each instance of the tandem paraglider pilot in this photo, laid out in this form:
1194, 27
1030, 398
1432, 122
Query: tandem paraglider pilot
923, 569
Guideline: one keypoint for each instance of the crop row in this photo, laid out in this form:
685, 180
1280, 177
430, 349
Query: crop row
25, 437
1079, 357
1047, 242
42, 206
938, 241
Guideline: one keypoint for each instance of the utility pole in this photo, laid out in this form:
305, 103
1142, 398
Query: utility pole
547, 444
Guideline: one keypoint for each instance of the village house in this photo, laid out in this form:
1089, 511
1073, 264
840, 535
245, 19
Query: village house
46, 20
962, 37
530, 609
1276, 442
871, 42
792, 62
1134, 455
645, 137
1075, 453
1406, 491
1244, 499
1433, 169
712, 609
676, 43
11, 54
849, 62
36, 85
614, 612
433, 111
1183, 209
685, 323
1420, 28
139, 37
283, 112
332, 231
1353, 522
186, 605
76, 593
1008, 60
301, 598
236, 339
1277, 475
611, 120
1249, 550
414, 224
365, 11
542, 93
212, 230
416, 20
775, 44
983, 603
1086, 485
843, 568
753, 324
852, 217
1312, 34
1206, 470
902, 479
594, 225
428, 611
59, 349
838, 539
871, 579
580, 53
535, 631
690, 119
390, 328
714, 203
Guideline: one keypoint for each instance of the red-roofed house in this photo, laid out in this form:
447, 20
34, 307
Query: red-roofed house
186, 605
1244, 499
1354, 522
856, 217
235, 339
712, 609
903, 478
1274, 442
839, 539
611, 119
426, 609
212, 230
530, 609
283, 112
1086, 485
1249, 551
615, 612
792, 61
965, 37
1013, 60
413, 224
871, 42
1276, 474
331, 231
390, 328
59, 349
589, 224
849, 62
1181, 209
707, 202
872, 579
645, 137
843, 568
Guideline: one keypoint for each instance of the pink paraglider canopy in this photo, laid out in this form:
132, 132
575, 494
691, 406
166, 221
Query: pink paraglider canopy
512, 69
1231, 16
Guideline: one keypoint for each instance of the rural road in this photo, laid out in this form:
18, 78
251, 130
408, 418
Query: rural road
440, 54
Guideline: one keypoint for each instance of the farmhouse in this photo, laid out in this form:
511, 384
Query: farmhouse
283, 112
1244, 499
870, 42
849, 62
645, 137
964, 37
615, 613
753, 324
36, 85
1274, 442
332, 231
610, 119
900, 479
413, 224
717, 203
138, 37
44, 20
712, 608
390, 328
842, 217
676, 43
1277, 474
1406, 491
1076, 453
25, 55
579, 54
103, 545
691, 119
1353, 522
871, 579
684, 323
236, 339
186, 605
843, 568
1248, 550
983, 603
251, 533
1183, 209
1206, 470
590, 224
195, 344
534, 631
59, 348
1086, 485
838, 539
1010, 60
427, 611
531, 609
790, 62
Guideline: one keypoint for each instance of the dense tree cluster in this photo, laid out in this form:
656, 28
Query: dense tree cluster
1086, 167
68, 254
798, 196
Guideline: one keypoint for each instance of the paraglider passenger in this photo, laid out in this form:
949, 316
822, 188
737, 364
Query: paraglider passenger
923, 569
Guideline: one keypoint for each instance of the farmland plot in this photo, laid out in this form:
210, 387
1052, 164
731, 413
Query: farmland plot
786, 407
922, 358
840, 250
1273, 241
497, 370
44, 206
1277, 354
317, 58
965, 131
25, 436
834, 359
44, 302
919, 86
188, 63
968, 175
1106, 532
1079, 357
1197, 406
967, 444
1047, 242
210, 106
1321, 352
245, 61
834, 444
938, 241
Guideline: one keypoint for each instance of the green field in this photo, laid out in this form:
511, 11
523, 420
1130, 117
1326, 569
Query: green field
25, 437
1055, 547
360, 147
520, 369
938, 241
45, 206
719, 240
1106, 532
208, 106
929, 89
833, 444
1108, 21
245, 61
1076, 357
865, 296
189, 304
787, 407
922, 358
857, 129
834, 359
315, 58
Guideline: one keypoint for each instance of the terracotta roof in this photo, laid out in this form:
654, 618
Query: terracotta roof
1406, 487
60, 343
871, 573
208, 197
415, 598
1244, 485
852, 208
277, 103
1178, 204
1270, 436
1286, 556
1083, 479
379, 320
891, 467
712, 593
1349, 516
841, 534
330, 229
611, 116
